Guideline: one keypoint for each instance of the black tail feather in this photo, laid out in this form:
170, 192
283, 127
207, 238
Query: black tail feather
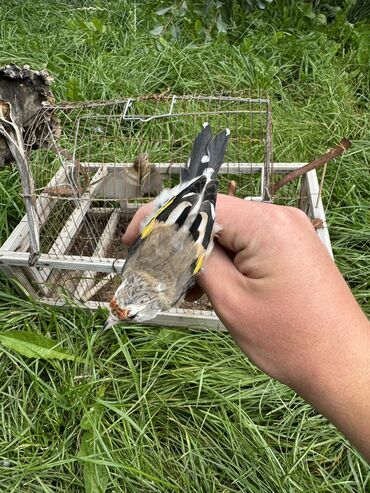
216, 152
198, 151
207, 152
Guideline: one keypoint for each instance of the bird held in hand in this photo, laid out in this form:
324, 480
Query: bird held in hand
175, 239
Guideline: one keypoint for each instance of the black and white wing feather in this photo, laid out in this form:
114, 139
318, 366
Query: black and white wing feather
191, 204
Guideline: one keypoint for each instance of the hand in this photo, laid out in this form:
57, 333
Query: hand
276, 289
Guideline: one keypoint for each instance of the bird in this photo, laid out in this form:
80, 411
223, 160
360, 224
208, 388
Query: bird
133, 182
175, 239
148, 177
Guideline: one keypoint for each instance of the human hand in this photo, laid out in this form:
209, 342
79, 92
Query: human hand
276, 289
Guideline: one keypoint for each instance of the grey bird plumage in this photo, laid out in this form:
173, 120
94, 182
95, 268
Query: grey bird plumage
175, 239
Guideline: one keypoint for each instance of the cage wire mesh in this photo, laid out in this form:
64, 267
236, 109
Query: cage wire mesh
99, 161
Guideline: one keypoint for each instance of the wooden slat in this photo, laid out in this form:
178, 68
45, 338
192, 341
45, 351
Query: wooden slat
95, 288
167, 168
317, 209
67, 262
101, 210
176, 317
84, 287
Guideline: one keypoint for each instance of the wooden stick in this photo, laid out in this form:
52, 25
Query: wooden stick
317, 223
343, 145
231, 188
85, 288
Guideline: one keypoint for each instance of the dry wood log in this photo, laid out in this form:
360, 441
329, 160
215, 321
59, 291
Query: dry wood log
27, 91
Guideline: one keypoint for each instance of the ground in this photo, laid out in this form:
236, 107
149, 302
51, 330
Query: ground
156, 409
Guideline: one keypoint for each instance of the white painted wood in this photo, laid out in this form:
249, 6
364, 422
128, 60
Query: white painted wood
67, 262
303, 202
266, 177
86, 284
176, 317
263, 179
317, 209
15, 239
95, 288
101, 210
175, 168
257, 198
107, 234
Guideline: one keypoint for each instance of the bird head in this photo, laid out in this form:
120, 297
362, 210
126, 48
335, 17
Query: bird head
136, 300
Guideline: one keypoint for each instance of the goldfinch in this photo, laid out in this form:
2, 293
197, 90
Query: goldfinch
175, 240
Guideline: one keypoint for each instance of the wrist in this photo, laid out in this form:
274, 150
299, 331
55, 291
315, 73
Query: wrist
337, 384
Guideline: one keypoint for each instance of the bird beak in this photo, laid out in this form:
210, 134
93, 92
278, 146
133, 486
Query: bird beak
110, 322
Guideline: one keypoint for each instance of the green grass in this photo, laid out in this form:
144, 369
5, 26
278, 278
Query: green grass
171, 410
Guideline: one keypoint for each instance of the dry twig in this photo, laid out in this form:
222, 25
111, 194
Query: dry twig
317, 223
231, 188
338, 150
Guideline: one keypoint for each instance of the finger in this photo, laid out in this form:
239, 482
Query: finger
240, 220
231, 293
133, 229
221, 279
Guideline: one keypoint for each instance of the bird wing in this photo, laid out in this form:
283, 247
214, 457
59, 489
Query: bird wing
180, 207
191, 204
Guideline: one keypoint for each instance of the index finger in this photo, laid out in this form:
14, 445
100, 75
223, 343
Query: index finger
133, 229
240, 220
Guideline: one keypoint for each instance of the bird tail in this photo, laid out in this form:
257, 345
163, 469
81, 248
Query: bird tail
207, 153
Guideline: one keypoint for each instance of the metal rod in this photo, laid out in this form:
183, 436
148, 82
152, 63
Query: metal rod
96, 104
67, 262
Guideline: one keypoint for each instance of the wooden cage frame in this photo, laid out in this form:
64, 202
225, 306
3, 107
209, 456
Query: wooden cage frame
16, 261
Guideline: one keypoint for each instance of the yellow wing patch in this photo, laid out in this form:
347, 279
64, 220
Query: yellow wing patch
199, 263
149, 227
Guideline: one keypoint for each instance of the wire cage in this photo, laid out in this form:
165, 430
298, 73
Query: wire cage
95, 163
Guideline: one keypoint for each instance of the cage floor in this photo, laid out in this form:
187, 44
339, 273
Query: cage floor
85, 241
